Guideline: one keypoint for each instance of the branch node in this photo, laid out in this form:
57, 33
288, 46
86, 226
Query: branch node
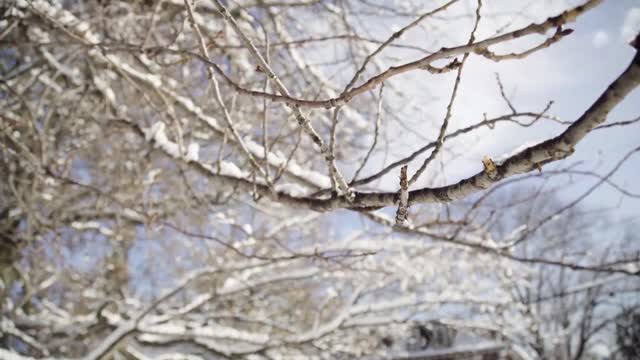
403, 207
490, 167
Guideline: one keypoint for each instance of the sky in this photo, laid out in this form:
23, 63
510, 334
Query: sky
572, 73
580, 68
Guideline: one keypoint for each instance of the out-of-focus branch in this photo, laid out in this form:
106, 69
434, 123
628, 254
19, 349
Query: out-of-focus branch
303, 121
218, 95
423, 63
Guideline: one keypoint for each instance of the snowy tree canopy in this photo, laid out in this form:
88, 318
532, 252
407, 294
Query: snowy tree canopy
299, 179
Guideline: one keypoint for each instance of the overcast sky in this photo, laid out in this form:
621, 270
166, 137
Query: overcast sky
572, 72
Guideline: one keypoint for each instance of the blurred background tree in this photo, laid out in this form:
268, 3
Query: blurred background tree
219, 179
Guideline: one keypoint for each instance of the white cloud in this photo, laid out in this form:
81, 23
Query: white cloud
631, 24
600, 39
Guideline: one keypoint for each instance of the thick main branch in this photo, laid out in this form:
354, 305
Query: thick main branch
527, 160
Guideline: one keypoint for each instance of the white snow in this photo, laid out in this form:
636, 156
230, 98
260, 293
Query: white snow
159, 136
133, 215
82, 27
151, 79
193, 151
151, 176
15, 212
231, 169
277, 160
500, 159
66, 17
106, 90
632, 267
8, 355
210, 331
247, 228
92, 225
37, 34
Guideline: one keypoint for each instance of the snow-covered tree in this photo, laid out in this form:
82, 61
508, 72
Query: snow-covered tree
214, 179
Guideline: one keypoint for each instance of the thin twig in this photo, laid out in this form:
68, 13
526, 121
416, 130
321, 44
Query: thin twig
376, 132
396, 35
218, 95
454, 93
302, 120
